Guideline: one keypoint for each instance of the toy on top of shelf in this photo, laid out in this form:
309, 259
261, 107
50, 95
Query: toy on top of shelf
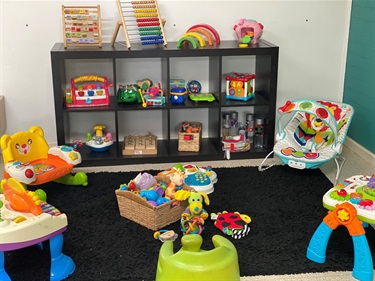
209, 28
192, 263
240, 86
232, 223
99, 141
27, 220
248, 31
87, 91
192, 219
144, 19
193, 35
29, 159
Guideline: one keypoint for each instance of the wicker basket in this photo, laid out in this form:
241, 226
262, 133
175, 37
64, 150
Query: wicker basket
190, 141
137, 209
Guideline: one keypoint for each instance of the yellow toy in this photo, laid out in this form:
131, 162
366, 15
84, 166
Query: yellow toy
29, 159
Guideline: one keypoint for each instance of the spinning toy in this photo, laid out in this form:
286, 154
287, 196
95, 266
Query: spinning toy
141, 22
100, 141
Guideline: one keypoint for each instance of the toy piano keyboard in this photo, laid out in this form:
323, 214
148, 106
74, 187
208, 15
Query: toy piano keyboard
357, 190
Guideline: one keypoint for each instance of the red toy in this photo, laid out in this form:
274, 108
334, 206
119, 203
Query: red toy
88, 90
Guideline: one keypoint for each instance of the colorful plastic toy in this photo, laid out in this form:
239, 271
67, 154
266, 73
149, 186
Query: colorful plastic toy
248, 31
240, 86
192, 263
129, 94
232, 223
195, 38
351, 204
178, 95
87, 91
26, 222
100, 141
28, 158
344, 214
165, 235
192, 219
313, 135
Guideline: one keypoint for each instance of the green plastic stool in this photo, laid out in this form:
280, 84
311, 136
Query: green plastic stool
192, 263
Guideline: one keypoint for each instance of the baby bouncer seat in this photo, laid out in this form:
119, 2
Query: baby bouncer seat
313, 135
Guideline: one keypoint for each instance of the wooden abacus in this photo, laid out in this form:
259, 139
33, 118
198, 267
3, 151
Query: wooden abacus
141, 22
81, 26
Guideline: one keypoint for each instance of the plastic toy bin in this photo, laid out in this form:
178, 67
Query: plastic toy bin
190, 136
137, 209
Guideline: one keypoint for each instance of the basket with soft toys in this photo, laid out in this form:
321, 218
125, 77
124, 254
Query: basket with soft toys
150, 200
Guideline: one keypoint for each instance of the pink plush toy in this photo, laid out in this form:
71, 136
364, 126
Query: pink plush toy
248, 31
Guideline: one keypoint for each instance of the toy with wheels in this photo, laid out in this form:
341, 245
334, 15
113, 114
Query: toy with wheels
29, 159
100, 141
192, 263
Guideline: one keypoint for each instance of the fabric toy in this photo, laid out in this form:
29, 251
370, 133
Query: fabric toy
192, 219
232, 223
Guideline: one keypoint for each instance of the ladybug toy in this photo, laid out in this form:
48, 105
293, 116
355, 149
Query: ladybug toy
232, 223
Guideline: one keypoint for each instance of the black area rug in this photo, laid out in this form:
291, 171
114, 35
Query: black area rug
285, 205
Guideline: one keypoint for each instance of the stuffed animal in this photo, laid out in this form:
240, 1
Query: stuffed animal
176, 181
193, 217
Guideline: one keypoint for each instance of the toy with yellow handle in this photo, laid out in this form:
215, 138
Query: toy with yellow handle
143, 99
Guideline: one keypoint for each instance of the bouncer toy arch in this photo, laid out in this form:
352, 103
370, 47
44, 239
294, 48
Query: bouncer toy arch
313, 135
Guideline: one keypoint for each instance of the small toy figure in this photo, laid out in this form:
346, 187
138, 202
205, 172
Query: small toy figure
176, 182
192, 219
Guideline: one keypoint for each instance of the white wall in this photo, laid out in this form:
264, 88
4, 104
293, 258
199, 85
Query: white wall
312, 36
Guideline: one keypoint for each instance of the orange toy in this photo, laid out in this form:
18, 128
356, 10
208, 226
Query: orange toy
28, 158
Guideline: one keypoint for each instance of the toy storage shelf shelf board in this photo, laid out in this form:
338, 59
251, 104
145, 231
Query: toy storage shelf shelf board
262, 57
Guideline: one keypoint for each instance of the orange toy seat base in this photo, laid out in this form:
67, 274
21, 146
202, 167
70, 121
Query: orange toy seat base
48, 169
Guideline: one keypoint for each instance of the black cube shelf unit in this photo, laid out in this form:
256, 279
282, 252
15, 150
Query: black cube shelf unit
266, 69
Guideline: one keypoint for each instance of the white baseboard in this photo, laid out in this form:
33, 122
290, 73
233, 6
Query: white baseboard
360, 150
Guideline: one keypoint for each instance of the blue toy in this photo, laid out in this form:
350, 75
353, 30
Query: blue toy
344, 214
178, 95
